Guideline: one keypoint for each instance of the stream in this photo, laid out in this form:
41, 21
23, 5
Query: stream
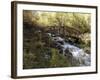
75, 52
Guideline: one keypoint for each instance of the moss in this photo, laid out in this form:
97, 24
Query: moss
58, 60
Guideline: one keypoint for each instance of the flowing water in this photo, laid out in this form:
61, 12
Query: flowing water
78, 54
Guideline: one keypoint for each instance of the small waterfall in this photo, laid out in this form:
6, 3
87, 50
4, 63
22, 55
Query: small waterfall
78, 54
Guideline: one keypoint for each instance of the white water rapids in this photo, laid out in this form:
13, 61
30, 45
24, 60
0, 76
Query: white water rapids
78, 54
